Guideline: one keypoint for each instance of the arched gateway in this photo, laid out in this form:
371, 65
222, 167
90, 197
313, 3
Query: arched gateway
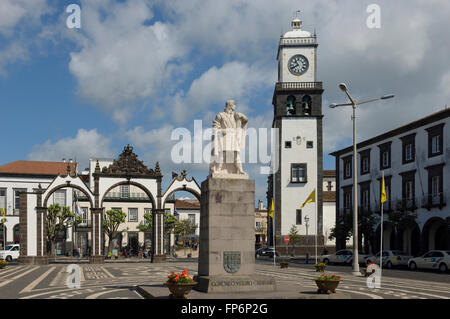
126, 170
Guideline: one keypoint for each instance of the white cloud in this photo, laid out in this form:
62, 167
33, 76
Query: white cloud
86, 144
122, 60
234, 80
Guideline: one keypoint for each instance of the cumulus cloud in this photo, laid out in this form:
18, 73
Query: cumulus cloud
17, 17
234, 80
123, 59
86, 144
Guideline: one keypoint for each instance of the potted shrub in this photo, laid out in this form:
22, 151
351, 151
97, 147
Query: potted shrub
3, 263
327, 284
180, 284
320, 266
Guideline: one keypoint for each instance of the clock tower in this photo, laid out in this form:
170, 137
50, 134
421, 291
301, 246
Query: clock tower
297, 102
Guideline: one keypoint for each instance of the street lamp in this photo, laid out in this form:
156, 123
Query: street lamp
307, 241
354, 103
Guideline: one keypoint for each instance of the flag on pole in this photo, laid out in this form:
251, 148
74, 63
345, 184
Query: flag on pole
383, 191
77, 206
4, 212
271, 210
311, 198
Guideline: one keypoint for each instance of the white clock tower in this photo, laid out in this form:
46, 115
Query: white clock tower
297, 102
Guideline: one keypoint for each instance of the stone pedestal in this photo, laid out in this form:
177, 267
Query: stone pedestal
226, 259
97, 259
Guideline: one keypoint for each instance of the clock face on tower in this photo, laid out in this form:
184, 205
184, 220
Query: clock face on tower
298, 64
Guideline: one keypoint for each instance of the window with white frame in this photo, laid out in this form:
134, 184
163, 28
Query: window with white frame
298, 173
436, 144
125, 191
365, 198
409, 190
132, 214
408, 152
385, 159
2, 199
84, 215
59, 197
191, 218
435, 188
16, 198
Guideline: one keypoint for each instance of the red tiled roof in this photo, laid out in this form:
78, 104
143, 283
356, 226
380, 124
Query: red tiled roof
187, 204
37, 168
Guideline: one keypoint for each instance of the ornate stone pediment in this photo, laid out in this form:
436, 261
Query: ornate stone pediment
128, 164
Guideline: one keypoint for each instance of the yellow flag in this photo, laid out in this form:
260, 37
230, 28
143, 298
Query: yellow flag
311, 198
383, 191
271, 210
4, 212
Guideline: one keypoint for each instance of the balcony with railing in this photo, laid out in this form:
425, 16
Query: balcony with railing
118, 196
439, 200
86, 224
298, 86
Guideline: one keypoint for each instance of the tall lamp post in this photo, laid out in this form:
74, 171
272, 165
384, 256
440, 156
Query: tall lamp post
354, 103
307, 240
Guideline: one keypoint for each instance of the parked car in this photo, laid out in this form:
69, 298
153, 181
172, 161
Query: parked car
11, 252
434, 259
391, 258
266, 252
344, 256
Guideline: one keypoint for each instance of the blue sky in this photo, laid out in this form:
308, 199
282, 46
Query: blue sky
138, 69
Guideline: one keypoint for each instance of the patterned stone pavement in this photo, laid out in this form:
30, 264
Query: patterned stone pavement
119, 281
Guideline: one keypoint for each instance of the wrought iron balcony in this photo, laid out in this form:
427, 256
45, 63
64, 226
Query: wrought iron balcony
429, 201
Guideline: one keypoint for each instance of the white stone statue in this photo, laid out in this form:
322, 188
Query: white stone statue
229, 129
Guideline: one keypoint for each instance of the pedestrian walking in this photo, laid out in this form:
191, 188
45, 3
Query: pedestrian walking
79, 253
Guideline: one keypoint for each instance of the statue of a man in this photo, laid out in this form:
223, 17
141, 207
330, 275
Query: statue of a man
229, 129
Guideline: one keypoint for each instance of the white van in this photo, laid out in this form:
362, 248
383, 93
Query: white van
11, 252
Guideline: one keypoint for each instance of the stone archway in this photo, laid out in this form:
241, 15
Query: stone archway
435, 235
181, 183
129, 170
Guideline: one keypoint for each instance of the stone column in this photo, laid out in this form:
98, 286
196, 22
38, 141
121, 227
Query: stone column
158, 255
97, 230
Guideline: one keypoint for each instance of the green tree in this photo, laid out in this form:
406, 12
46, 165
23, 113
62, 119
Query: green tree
169, 223
294, 237
342, 228
58, 219
183, 229
112, 219
401, 219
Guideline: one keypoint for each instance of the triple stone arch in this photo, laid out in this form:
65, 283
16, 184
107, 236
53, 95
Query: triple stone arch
151, 186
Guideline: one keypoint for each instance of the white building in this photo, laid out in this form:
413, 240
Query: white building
298, 115
329, 207
414, 159
26, 176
